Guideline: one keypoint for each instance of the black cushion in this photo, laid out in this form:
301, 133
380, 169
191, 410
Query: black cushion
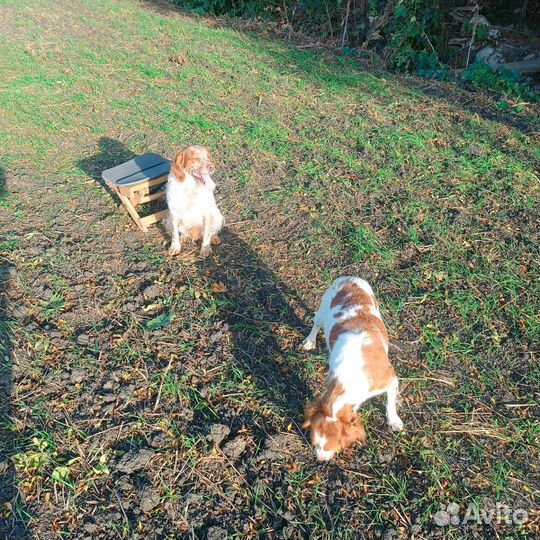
141, 168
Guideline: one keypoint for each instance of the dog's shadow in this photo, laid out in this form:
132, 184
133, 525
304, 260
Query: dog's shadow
264, 320
261, 312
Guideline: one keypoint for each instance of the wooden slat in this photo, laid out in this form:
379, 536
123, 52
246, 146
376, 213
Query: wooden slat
141, 199
131, 196
154, 218
147, 184
133, 213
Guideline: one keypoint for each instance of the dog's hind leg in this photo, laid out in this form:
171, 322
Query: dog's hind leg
211, 228
394, 420
311, 340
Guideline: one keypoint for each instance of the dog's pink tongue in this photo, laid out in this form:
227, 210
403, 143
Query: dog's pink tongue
206, 178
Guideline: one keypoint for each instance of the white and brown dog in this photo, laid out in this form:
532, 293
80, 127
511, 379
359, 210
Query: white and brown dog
359, 366
193, 212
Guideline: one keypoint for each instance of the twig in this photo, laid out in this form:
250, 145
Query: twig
380, 23
444, 381
329, 19
162, 381
430, 44
524, 9
121, 507
346, 23
238, 222
286, 14
513, 405
475, 433
476, 10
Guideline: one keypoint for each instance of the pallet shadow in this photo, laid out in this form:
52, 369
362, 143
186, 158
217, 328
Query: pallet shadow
111, 152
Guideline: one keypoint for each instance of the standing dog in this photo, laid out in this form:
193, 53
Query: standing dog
359, 366
190, 197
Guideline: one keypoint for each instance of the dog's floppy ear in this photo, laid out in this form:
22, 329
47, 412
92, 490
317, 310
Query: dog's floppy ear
350, 433
311, 411
352, 429
178, 166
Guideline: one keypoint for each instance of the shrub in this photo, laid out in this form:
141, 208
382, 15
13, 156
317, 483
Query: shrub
503, 81
414, 35
237, 8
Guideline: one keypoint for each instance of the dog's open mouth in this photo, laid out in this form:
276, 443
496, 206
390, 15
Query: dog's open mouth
202, 178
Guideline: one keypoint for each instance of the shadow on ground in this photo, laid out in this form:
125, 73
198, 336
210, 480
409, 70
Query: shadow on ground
247, 331
13, 519
256, 305
111, 153
262, 314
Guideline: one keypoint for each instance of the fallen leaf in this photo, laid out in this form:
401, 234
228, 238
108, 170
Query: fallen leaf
178, 59
219, 287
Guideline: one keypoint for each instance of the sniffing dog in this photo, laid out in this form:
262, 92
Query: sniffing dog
359, 366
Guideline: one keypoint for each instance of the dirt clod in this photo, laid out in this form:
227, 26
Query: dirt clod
77, 376
235, 448
149, 500
218, 432
151, 292
83, 339
135, 461
216, 533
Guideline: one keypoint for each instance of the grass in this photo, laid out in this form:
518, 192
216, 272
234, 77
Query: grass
325, 169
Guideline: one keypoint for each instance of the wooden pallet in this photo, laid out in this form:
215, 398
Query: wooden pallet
138, 181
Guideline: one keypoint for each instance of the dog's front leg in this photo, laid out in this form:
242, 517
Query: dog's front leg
394, 420
210, 230
175, 243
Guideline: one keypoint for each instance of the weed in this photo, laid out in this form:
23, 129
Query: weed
504, 81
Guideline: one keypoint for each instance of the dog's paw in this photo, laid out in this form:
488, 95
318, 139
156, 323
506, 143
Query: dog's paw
216, 240
206, 251
308, 345
396, 424
174, 250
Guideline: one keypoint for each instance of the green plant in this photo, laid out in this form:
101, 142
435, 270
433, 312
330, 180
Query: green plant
503, 81
160, 321
40, 454
415, 35
53, 306
244, 8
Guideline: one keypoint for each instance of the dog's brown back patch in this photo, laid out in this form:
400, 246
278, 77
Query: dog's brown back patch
350, 294
377, 367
